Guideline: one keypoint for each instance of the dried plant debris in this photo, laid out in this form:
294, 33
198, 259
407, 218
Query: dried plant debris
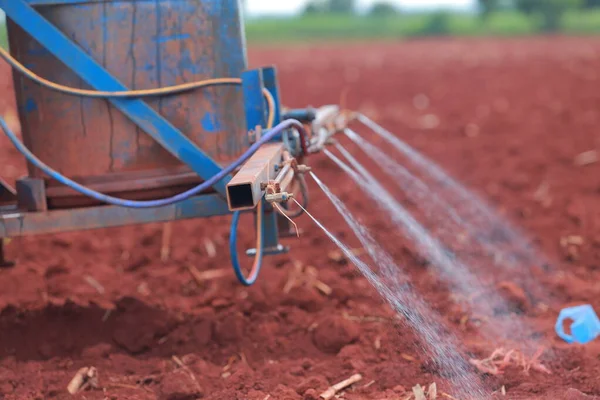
586, 158
420, 393
307, 276
85, 378
502, 358
338, 387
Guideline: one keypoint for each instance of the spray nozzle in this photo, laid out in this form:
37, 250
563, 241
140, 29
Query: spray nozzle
280, 197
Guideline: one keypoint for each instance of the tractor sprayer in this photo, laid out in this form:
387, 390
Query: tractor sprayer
136, 112
142, 103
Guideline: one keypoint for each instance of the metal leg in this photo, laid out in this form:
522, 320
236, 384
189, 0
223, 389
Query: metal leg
3, 262
31, 195
271, 239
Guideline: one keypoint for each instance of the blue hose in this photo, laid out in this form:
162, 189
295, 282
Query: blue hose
267, 136
235, 262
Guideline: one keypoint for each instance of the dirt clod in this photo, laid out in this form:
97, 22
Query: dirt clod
515, 295
229, 329
332, 334
314, 382
311, 394
179, 386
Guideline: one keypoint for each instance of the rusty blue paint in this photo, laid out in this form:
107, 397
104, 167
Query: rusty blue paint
175, 37
147, 67
252, 85
227, 12
210, 124
185, 63
144, 44
30, 105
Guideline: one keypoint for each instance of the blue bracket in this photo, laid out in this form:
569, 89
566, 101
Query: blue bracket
99, 78
254, 103
253, 83
269, 77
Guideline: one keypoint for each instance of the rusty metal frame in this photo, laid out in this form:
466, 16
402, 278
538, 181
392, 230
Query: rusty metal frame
246, 188
14, 223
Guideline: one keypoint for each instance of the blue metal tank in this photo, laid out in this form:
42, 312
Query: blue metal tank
144, 44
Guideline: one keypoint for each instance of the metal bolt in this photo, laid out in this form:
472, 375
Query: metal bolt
278, 197
251, 137
302, 169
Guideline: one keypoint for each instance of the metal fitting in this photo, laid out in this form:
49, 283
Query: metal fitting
255, 134
281, 197
302, 169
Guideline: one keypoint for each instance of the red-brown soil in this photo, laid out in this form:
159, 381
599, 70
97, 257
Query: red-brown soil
511, 116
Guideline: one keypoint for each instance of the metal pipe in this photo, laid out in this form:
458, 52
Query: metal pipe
247, 187
286, 175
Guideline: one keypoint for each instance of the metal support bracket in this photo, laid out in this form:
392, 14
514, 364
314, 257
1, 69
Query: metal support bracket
31, 195
14, 223
253, 83
8, 194
245, 189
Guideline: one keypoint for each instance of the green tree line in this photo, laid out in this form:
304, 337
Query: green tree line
550, 12
347, 7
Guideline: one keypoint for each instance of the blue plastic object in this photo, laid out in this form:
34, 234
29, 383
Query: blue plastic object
585, 326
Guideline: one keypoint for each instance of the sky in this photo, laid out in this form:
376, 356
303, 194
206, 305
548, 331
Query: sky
261, 7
